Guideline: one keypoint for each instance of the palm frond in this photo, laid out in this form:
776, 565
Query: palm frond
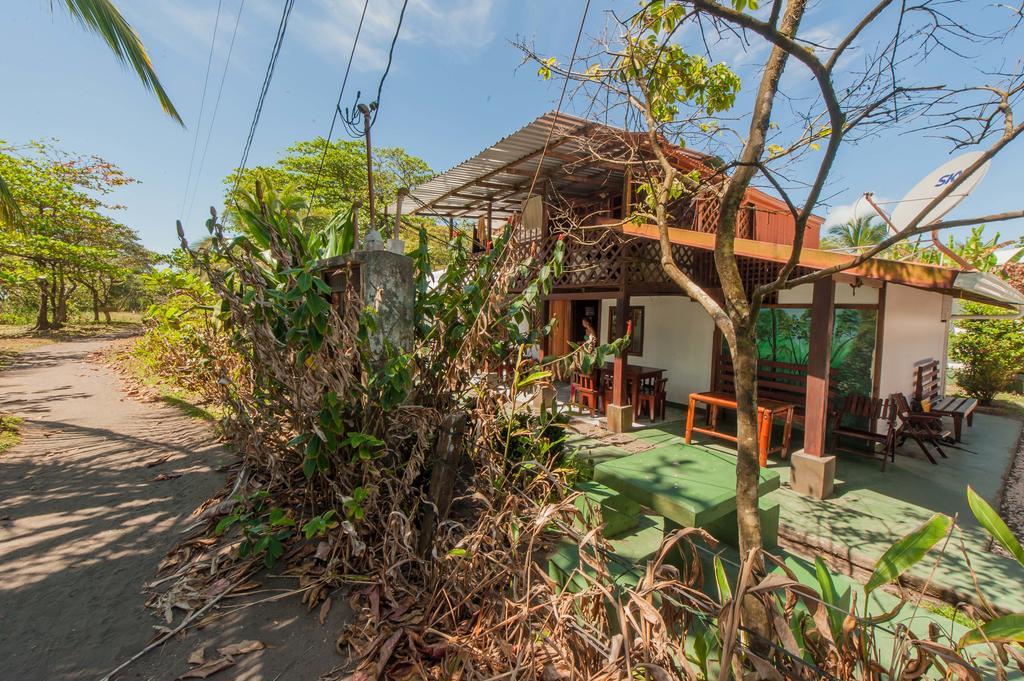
104, 19
10, 214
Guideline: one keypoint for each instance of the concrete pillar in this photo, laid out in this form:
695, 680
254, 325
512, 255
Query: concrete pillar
385, 283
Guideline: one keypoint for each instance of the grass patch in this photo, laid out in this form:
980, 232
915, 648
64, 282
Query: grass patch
18, 338
9, 435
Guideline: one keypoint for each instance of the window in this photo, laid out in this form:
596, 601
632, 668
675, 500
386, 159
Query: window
636, 315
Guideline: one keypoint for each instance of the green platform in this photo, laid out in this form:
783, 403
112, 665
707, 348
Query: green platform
618, 512
691, 485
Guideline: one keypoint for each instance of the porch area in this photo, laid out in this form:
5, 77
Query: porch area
870, 509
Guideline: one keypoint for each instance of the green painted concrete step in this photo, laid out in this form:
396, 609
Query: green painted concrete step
618, 512
630, 553
688, 484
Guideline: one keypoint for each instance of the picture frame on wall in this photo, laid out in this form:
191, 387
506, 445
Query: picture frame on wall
636, 315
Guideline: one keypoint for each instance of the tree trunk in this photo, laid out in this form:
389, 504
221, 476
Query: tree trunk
42, 318
96, 308
106, 313
747, 465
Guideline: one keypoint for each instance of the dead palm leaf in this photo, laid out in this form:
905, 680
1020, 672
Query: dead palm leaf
104, 19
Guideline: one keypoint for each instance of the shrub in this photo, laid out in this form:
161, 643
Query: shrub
990, 352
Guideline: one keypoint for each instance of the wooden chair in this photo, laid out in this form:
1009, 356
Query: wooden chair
880, 427
924, 429
652, 396
926, 389
585, 390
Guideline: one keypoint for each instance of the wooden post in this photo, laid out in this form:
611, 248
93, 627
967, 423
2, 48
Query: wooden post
444, 472
818, 361
622, 360
489, 233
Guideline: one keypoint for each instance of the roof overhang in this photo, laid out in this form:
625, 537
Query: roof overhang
977, 286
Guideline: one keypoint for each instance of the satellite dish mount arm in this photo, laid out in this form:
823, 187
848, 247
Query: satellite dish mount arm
964, 265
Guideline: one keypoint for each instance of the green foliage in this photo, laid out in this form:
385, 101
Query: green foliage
994, 525
856, 234
990, 351
264, 528
908, 551
320, 525
64, 243
668, 75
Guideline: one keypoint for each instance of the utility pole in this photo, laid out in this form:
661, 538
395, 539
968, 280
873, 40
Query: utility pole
369, 159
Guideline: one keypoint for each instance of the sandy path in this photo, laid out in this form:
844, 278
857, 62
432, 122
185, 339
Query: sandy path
83, 525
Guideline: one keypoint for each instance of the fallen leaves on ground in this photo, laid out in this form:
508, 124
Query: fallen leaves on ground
205, 668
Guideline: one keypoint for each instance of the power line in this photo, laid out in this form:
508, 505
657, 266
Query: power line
561, 97
337, 109
352, 116
202, 106
282, 28
216, 107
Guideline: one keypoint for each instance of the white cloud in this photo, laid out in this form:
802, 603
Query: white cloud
329, 26
837, 215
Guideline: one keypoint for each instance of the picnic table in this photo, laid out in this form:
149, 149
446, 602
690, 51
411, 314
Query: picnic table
767, 412
635, 375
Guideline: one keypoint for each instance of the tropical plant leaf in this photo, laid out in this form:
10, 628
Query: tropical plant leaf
827, 588
103, 18
724, 590
1005, 629
990, 520
906, 553
9, 212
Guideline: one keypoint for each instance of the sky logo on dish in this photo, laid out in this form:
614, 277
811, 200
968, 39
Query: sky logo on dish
947, 178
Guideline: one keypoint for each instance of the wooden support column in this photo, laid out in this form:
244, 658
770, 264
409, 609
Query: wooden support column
620, 412
818, 361
813, 472
489, 232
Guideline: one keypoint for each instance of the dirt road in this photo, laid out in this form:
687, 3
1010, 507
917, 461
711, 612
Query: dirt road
90, 501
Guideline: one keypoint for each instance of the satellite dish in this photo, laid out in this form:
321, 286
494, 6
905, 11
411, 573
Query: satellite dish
932, 185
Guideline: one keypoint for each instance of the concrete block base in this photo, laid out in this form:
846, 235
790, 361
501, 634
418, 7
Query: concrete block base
620, 417
813, 476
544, 398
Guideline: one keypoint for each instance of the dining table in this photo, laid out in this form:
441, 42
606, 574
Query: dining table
635, 375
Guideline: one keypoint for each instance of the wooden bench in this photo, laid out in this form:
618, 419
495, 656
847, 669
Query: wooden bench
880, 415
778, 381
767, 412
927, 388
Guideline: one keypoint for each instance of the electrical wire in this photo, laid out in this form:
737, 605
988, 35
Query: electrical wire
561, 98
202, 107
351, 117
337, 109
282, 28
216, 107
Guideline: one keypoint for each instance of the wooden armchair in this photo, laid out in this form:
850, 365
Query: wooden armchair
585, 390
880, 427
924, 429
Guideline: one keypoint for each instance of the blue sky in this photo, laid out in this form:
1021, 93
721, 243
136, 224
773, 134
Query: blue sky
456, 86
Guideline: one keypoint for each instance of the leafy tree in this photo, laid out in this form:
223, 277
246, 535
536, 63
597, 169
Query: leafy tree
343, 182
63, 243
855, 234
990, 352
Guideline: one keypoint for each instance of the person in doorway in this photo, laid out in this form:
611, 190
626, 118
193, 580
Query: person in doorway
589, 334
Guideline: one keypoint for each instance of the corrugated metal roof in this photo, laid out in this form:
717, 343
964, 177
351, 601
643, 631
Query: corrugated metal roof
450, 193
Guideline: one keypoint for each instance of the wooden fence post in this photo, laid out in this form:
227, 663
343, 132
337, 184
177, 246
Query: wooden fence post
448, 453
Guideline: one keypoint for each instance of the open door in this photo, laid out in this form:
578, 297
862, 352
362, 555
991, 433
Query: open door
558, 340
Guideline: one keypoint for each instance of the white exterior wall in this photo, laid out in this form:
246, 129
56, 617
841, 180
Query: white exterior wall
678, 336
914, 330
